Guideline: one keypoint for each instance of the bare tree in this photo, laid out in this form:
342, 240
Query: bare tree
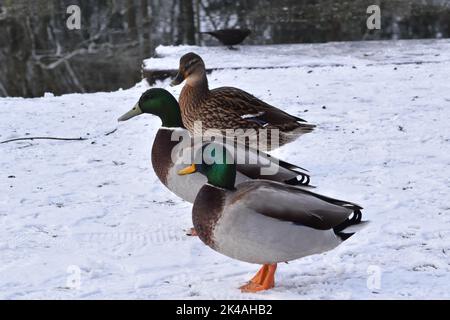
146, 29
131, 18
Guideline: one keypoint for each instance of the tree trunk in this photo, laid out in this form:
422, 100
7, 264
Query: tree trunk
146, 30
197, 21
131, 19
189, 21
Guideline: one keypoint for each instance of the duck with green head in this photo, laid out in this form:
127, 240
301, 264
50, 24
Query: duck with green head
265, 222
168, 156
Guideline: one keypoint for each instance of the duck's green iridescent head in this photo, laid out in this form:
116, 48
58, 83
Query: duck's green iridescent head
217, 164
159, 102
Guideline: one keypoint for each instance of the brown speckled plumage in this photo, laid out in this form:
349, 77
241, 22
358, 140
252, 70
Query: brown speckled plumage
232, 108
207, 211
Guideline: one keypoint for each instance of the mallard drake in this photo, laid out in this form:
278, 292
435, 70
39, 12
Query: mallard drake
232, 108
229, 37
169, 154
265, 222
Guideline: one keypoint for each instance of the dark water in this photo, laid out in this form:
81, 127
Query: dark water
39, 54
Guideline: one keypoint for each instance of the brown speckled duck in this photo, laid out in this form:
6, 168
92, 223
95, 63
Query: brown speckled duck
231, 108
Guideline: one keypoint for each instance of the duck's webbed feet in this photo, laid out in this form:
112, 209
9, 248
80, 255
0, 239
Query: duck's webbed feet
264, 279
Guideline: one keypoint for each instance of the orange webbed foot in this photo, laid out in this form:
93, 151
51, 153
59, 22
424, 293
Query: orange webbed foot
263, 280
252, 287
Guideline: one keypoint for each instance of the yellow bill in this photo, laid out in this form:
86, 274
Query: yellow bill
188, 170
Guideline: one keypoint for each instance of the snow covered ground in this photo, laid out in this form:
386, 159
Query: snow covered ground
90, 220
312, 55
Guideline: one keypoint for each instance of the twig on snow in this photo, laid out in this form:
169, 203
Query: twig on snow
44, 138
58, 138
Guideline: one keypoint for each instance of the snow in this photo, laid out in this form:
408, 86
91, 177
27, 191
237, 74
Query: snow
358, 53
95, 207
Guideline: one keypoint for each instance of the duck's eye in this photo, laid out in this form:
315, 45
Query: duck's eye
191, 63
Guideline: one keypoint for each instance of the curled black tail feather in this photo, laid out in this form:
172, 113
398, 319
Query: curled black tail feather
301, 180
355, 219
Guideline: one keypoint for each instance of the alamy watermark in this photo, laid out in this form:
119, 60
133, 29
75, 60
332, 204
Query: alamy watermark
373, 278
74, 20
374, 20
73, 280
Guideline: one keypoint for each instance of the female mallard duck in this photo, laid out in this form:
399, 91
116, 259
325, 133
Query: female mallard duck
265, 222
232, 108
169, 154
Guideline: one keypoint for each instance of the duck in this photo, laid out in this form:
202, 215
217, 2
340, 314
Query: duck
265, 222
171, 150
229, 37
230, 108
